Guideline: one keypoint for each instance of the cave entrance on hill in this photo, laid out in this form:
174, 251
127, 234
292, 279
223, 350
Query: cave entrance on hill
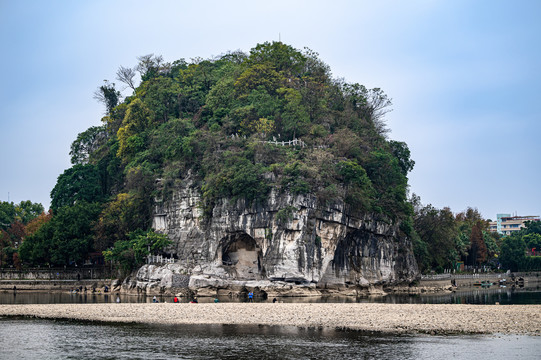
241, 256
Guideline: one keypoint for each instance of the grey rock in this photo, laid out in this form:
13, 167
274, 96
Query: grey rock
318, 249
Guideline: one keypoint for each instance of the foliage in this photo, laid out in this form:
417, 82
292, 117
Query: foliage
285, 215
208, 120
65, 239
23, 212
126, 213
478, 248
108, 95
436, 230
78, 183
86, 144
513, 252
35, 224
133, 251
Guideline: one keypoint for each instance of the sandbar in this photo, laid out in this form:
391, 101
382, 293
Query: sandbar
436, 319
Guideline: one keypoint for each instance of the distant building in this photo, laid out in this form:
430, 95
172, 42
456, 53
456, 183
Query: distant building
507, 224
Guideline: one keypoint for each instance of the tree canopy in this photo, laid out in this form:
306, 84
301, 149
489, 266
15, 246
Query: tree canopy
221, 120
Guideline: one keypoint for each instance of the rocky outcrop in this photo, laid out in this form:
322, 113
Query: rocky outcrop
291, 245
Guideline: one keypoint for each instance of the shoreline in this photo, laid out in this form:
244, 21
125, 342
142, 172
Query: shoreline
432, 319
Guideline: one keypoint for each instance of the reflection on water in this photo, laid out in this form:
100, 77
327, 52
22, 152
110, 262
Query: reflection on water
504, 296
44, 339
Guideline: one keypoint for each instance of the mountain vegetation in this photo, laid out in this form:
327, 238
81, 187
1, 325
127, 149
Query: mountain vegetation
221, 121
224, 123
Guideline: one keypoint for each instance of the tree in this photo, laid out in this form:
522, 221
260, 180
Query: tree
478, 248
78, 183
513, 252
34, 225
108, 96
258, 76
131, 135
150, 66
133, 252
437, 230
86, 144
26, 211
7, 214
126, 75
533, 241
401, 151
65, 239
23, 212
161, 95
369, 104
281, 56
126, 213
294, 115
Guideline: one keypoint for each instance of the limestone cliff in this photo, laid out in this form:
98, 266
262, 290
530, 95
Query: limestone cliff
291, 245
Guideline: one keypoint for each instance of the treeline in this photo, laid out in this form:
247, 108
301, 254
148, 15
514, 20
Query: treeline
17, 221
444, 240
520, 251
177, 122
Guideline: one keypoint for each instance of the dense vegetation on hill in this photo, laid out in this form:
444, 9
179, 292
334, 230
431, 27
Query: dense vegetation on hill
210, 119
217, 121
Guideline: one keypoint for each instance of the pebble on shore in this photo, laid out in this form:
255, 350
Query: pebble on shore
385, 318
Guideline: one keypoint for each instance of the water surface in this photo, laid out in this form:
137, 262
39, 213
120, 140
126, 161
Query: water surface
503, 296
45, 339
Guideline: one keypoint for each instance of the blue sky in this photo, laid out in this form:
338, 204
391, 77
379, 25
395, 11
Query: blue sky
463, 75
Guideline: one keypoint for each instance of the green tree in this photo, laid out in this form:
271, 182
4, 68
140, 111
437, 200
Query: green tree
108, 96
132, 135
7, 214
401, 151
133, 252
78, 183
86, 144
436, 230
279, 55
513, 252
126, 213
64, 240
295, 118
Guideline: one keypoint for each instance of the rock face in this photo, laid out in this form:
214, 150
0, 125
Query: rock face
289, 246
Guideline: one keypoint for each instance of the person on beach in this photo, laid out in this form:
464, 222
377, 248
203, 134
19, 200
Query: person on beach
274, 300
118, 299
175, 299
194, 301
216, 300
250, 296
154, 300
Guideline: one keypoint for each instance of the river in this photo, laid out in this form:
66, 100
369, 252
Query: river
23, 338
44, 339
472, 295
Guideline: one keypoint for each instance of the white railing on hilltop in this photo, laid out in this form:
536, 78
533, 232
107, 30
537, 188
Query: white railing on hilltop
159, 259
294, 142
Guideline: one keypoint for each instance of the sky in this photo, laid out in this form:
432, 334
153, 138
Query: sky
463, 75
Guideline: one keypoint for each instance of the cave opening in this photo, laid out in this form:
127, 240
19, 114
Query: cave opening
241, 254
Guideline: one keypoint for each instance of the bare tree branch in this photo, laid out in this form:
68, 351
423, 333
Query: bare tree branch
126, 75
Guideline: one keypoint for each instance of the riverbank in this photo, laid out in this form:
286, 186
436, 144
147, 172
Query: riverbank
384, 318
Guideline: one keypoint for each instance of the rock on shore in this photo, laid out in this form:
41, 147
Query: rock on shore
387, 318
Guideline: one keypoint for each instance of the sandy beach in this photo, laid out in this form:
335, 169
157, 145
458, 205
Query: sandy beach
387, 318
